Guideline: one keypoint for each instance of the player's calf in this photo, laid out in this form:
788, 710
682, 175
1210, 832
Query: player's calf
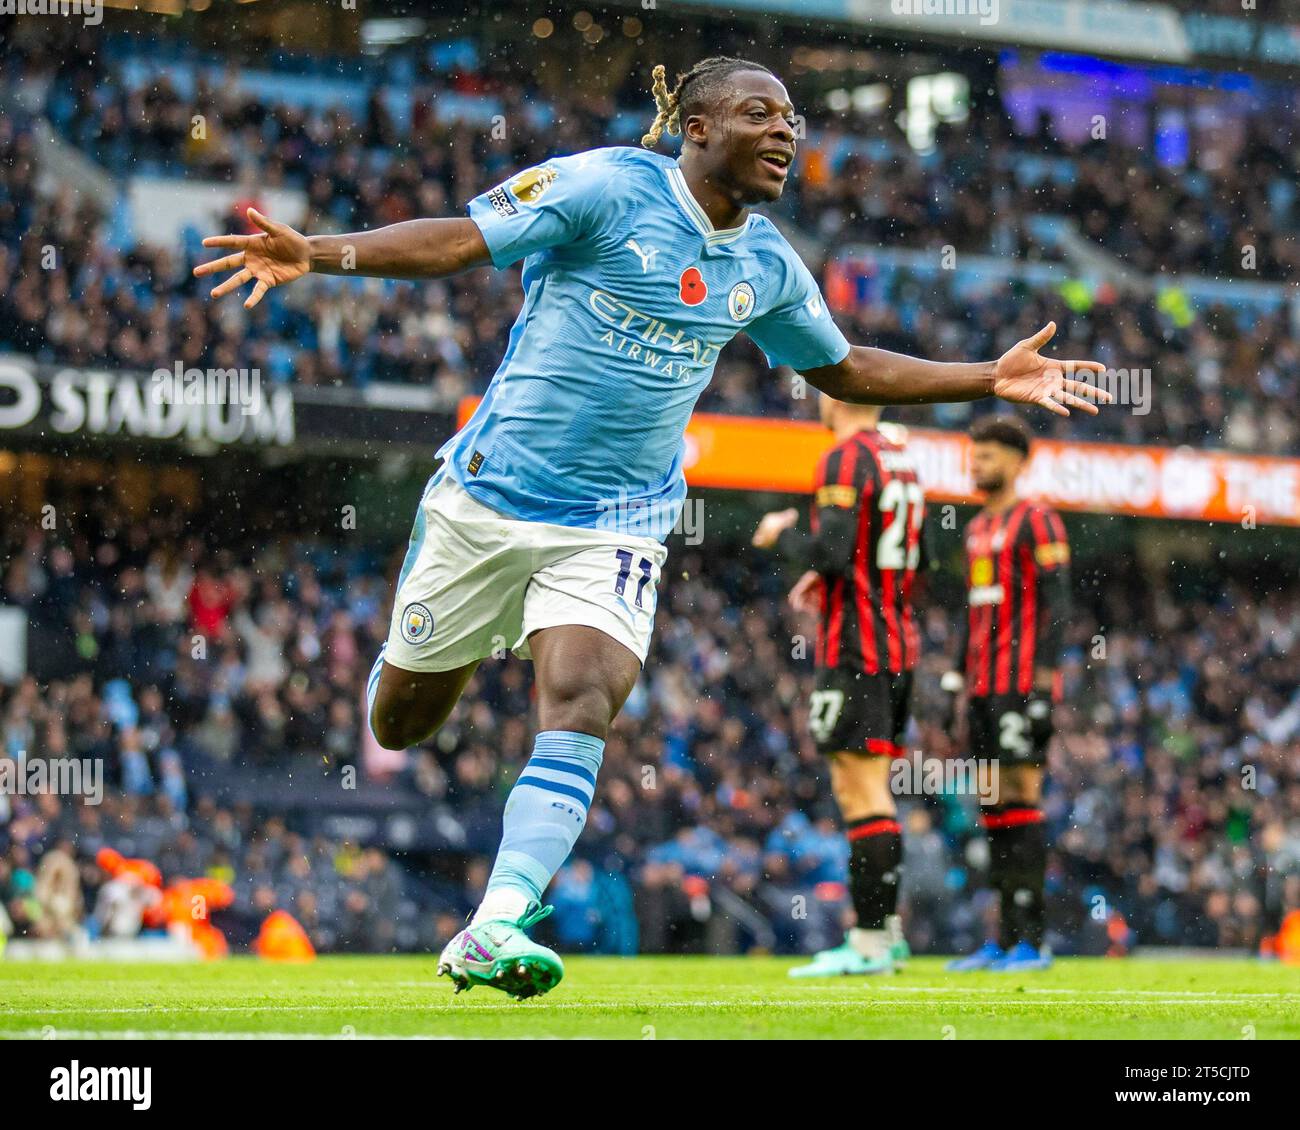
583, 677
860, 783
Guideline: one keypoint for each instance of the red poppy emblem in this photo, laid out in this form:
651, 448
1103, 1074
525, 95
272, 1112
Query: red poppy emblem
693, 291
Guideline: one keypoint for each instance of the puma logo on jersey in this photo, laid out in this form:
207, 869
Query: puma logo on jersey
645, 254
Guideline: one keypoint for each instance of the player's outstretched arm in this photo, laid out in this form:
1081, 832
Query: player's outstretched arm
417, 249
1021, 375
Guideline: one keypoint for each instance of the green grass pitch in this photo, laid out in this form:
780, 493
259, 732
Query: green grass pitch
652, 998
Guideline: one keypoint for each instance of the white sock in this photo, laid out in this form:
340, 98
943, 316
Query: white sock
869, 943
503, 903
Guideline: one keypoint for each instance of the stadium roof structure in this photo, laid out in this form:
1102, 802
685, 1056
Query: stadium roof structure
1154, 32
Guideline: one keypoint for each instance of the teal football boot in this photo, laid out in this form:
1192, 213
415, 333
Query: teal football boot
498, 953
899, 950
843, 961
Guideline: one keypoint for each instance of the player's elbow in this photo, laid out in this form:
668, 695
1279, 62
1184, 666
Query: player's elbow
833, 380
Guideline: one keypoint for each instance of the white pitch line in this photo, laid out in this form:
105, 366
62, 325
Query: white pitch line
1207, 994
164, 1034
643, 1007
956, 991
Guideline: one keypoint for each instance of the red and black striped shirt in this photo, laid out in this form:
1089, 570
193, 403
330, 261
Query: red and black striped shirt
867, 518
1017, 568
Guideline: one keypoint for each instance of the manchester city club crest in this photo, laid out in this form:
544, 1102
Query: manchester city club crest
417, 623
740, 302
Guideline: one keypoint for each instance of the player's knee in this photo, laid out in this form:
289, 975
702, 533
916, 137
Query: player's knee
1021, 785
408, 708
387, 731
861, 785
395, 729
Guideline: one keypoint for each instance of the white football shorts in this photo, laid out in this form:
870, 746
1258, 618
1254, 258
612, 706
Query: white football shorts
477, 583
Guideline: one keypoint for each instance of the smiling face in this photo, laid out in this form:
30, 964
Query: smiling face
746, 137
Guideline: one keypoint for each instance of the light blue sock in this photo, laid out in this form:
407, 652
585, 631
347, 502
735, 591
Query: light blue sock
543, 819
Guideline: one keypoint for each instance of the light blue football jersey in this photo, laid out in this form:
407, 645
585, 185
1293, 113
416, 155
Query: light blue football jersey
630, 294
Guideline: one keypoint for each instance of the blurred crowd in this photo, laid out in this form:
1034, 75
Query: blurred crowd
1224, 377
347, 899
1175, 784
176, 658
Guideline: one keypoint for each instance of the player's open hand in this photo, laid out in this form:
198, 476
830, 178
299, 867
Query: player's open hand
276, 255
1025, 376
772, 526
806, 596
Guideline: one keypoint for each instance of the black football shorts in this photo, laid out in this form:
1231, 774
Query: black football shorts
1013, 729
856, 712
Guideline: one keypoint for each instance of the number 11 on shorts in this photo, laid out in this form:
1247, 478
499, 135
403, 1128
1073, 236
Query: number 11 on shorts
625, 570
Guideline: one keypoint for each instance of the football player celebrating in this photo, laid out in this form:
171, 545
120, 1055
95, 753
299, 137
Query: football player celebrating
543, 524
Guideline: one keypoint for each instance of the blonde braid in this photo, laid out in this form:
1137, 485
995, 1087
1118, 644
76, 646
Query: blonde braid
669, 112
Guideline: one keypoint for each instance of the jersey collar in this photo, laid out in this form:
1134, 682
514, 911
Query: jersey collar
714, 237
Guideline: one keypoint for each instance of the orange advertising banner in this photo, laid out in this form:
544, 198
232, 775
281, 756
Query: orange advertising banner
744, 453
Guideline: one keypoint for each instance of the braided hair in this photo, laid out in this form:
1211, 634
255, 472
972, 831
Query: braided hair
695, 90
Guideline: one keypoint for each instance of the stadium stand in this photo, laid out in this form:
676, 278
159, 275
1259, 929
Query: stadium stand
739, 819
1233, 364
